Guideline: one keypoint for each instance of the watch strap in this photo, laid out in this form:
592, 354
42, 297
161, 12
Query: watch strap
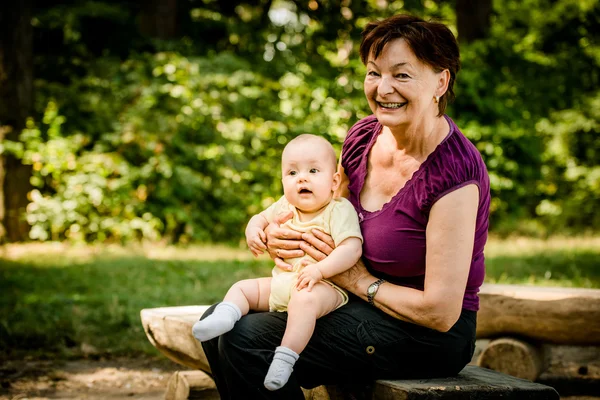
372, 290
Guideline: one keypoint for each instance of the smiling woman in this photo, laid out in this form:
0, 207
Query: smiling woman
421, 191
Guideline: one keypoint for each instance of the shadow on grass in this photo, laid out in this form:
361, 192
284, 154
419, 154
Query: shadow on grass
59, 307
56, 307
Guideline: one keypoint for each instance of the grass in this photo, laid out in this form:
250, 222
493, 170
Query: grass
56, 300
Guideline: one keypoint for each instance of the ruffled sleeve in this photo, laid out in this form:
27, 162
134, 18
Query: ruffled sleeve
356, 142
354, 151
455, 163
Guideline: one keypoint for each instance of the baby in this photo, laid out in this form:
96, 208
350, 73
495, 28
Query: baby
309, 180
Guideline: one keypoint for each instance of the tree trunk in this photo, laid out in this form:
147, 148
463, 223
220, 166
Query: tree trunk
158, 18
16, 101
473, 19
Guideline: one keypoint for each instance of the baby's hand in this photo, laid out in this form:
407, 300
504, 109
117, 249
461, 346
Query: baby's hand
308, 277
256, 239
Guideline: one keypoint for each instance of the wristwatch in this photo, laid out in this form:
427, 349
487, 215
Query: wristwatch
372, 290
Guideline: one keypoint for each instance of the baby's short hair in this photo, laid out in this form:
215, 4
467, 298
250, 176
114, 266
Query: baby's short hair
318, 139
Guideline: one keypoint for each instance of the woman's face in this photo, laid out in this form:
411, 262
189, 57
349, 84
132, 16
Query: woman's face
401, 89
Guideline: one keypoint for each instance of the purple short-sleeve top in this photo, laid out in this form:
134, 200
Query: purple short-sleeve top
394, 244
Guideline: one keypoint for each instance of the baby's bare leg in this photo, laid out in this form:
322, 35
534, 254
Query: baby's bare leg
249, 294
303, 311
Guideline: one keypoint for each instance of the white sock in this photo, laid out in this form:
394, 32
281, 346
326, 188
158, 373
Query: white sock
281, 368
222, 320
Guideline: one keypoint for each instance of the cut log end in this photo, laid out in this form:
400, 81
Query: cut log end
513, 357
183, 383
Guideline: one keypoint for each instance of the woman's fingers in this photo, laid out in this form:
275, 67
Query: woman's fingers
323, 237
320, 241
282, 264
285, 244
289, 253
311, 251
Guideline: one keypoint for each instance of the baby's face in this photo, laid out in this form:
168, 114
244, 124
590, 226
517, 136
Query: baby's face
308, 175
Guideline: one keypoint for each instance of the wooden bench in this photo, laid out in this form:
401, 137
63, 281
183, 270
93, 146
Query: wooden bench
518, 327
471, 384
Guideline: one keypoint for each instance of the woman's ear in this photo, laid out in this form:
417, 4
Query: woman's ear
442, 83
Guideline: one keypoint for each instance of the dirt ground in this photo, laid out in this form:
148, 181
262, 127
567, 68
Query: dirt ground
118, 379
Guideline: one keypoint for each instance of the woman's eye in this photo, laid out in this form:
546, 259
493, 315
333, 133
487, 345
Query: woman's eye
402, 76
372, 73
314, 170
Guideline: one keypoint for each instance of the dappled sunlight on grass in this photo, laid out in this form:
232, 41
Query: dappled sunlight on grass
527, 246
60, 252
57, 299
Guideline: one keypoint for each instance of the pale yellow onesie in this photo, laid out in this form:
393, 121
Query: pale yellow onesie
338, 219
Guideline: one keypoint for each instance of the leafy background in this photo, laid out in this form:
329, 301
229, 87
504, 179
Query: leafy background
178, 139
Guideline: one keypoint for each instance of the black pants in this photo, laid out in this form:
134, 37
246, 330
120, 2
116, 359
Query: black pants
355, 344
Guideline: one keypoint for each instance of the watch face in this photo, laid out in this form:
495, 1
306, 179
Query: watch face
371, 289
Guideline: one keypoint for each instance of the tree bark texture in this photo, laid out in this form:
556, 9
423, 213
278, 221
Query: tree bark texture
473, 19
16, 101
158, 18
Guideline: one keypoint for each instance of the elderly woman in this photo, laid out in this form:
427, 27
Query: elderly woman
421, 191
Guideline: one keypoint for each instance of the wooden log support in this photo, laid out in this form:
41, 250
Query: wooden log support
546, 314
513, 357
184, 385
169, 329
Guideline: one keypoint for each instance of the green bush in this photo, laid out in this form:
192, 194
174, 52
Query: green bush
192, 151
180, 139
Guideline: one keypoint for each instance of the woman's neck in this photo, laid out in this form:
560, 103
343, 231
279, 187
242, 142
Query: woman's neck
419, 140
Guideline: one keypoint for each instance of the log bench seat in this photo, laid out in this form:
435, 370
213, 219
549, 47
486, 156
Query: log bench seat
520, 326
472, 383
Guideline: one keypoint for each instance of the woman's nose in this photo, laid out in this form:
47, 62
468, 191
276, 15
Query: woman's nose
384, 86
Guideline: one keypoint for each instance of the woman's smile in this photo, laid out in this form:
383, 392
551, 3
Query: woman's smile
391, 106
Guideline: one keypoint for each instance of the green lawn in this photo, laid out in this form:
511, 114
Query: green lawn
55, 298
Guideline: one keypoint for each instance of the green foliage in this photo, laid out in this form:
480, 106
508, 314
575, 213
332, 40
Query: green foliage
528, 87
139, 138
188, 135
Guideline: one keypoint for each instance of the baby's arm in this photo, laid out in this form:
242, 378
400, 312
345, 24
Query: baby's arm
342, 258
255, 234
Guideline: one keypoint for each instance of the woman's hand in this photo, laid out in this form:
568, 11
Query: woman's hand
283, 242
317, 244
354, 278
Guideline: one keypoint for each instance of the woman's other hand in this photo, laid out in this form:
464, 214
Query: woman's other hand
283, 242
317, 244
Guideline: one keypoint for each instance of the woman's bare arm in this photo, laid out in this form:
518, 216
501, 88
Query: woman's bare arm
450, 238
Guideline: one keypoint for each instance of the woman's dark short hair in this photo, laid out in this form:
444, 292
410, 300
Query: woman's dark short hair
432, 42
